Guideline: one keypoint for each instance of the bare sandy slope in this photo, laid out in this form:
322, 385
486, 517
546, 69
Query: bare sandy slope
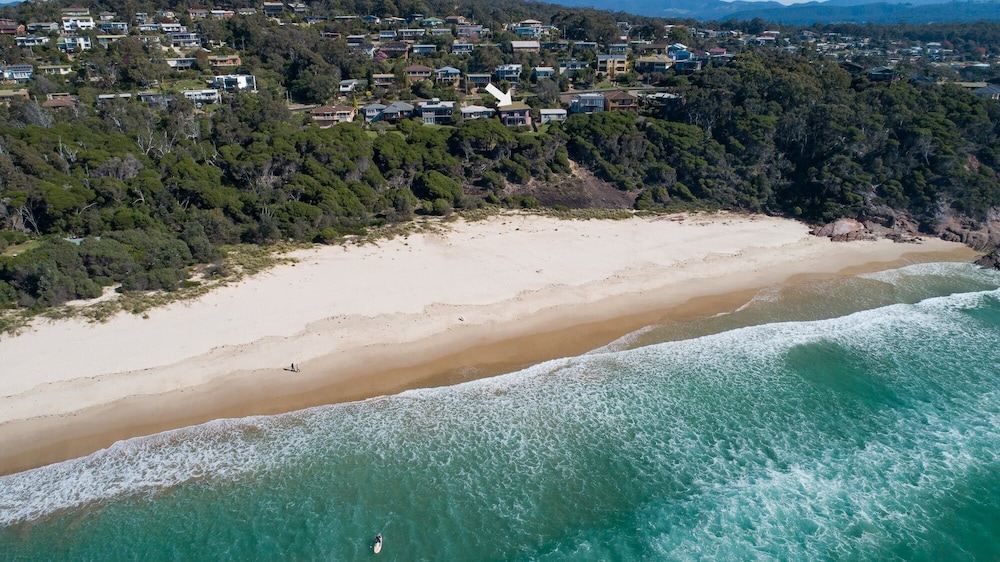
358, 319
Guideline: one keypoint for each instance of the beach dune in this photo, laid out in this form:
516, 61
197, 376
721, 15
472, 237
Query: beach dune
461, 300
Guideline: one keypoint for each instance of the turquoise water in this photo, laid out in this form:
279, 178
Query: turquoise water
850, 420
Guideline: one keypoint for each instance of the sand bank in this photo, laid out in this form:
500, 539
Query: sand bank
361, 321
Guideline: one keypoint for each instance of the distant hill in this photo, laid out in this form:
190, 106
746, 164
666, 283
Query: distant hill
831, 11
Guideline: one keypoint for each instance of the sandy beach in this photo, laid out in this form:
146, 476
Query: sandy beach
471, 299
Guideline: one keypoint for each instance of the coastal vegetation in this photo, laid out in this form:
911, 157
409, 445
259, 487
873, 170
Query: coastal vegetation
123, 194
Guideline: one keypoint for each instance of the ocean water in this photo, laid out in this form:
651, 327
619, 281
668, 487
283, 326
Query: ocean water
856, 419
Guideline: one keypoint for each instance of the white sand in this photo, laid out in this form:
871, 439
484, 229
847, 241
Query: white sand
481, 281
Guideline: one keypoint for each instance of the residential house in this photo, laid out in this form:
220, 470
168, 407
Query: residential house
55, 69
612, 64
198, 13
224, 61
19, 73
440, 31
517, 114
471, 112
77, 23
570, 67
418, 72
881, 74
154, 99
171, 27
621, 101
509, 72
102, 98
300, 8
10, 27
330, 115
560, 45
31, 40
526, 32
447, 75
436, 111
60, 101
525, 46
114, 27
653, 63
395, 49
383, 80
618, 48
182, 63
410, 34
461, 48
273, 9
431, 22
356, 40
141, 17
552, 115
17, 94
149, 28
386, 35
200, 97
73, 43
234, 82
852, 68
989, 91
397, 111
587, 103
105, 40
42, 27
352, 85
540, 72
478, 80
373, 112
246, 11
185, 40
222, 14
688, 66
456, 20
591, 45
471, 31
423, 49
371, 20
73, 11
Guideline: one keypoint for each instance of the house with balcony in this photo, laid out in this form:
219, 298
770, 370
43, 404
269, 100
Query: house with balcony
471, 112
19, 73
75, 11
330, 115
73, 43
587, 103
572, 66
621, 101
42, 27
16, 94
201, 97
477, 80
31, 41
55, 69
114, 27
224, 61
383, 80
234, 82
653, 63
552, 115
417, 72
387, 35
273, 9
371, 19
395, 49
517, 114
185, 40
436, 111
73, 24
589, 45
431, 22
612, 64
540, 72
182, 63
447, 75
171, 27
618, 48
471, 31
509, 72
222, 14
461, 48
423, 49
373, 112
410, 34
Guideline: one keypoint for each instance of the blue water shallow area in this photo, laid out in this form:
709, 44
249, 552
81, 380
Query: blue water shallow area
858, 420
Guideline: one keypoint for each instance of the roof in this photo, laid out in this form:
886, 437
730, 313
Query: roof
418, 68
516, 106
618, 95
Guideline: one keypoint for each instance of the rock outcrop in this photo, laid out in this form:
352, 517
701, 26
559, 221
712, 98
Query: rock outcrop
990, 260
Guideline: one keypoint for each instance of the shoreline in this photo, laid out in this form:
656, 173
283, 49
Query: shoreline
424, 340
